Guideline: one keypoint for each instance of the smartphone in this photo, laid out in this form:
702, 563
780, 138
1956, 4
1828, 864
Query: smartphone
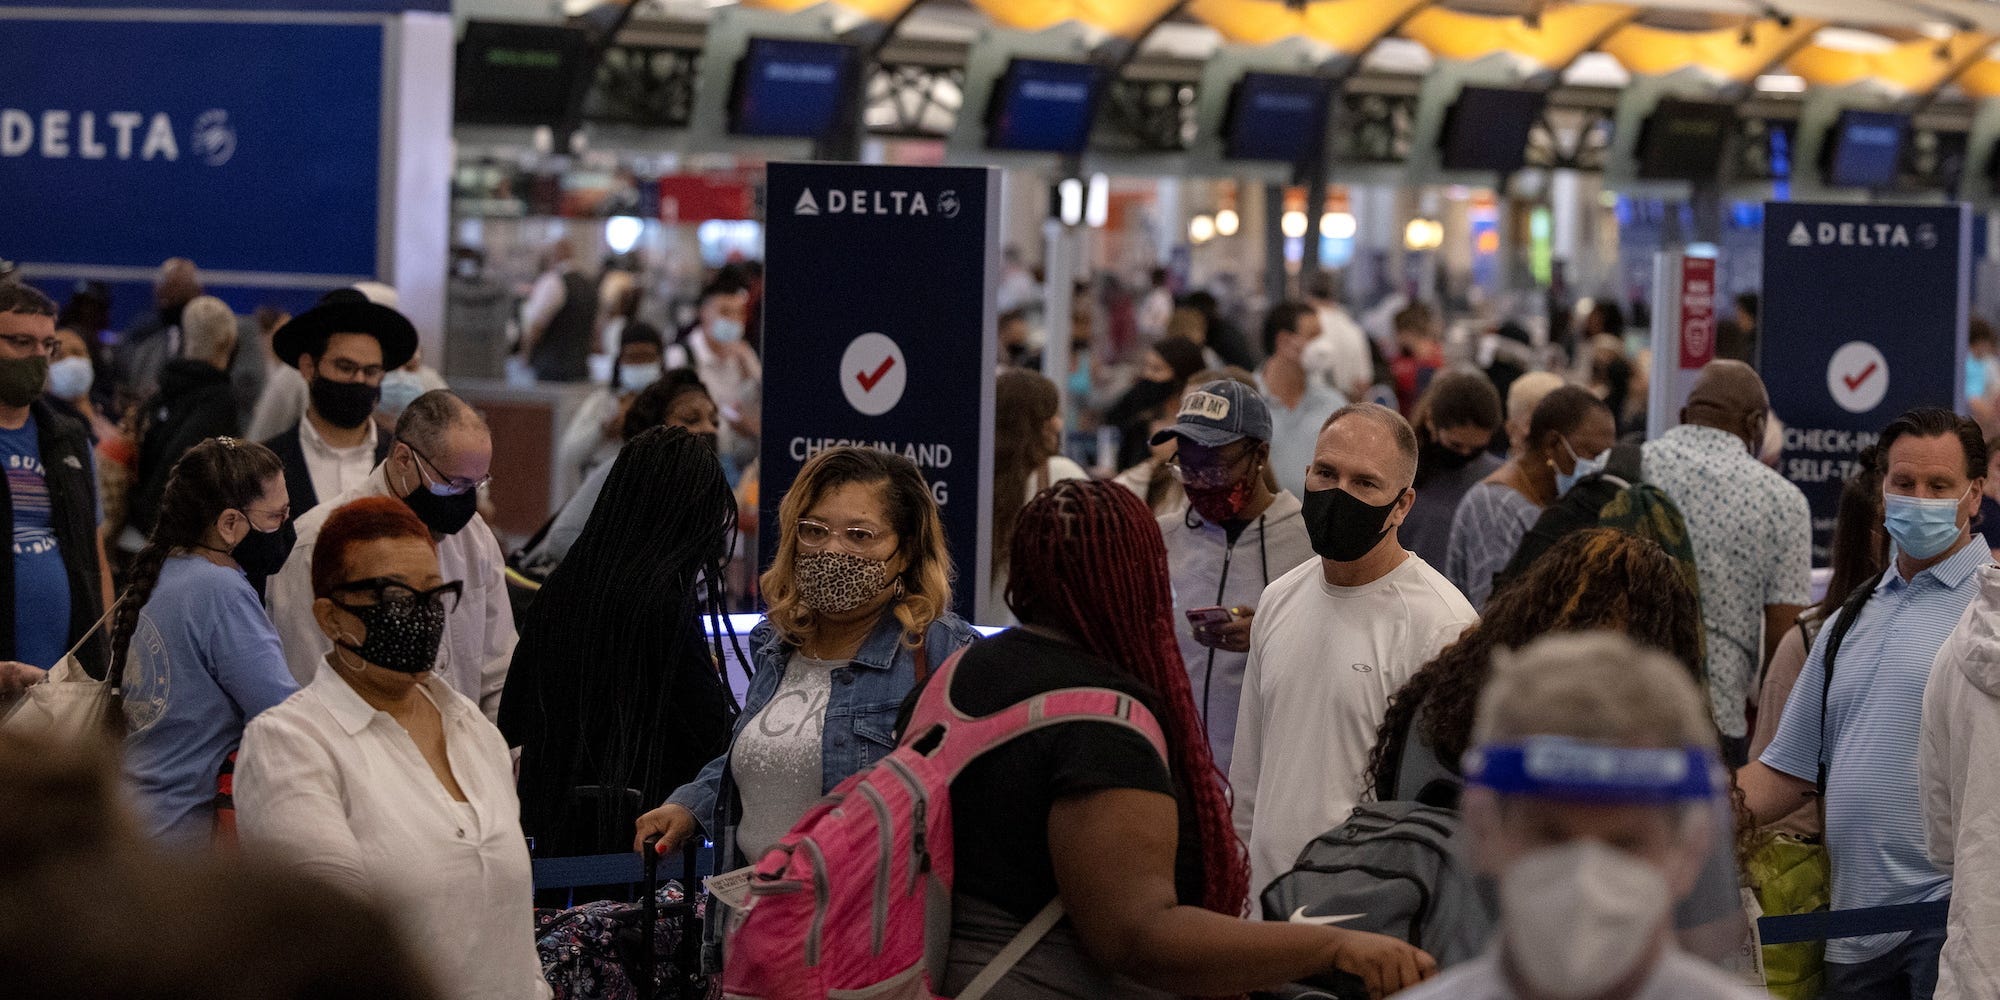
1209, 617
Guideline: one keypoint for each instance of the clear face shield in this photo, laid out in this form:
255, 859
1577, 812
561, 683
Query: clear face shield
1593, 848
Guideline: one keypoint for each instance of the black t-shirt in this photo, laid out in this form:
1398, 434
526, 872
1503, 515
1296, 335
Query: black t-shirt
1000, 804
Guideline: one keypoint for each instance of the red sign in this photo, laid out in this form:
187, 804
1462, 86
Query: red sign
690, 198
1697, 312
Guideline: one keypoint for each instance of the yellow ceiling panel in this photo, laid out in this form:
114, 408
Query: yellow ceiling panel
874, 10
1346, 26
1564, 33
1659, 51
1982, 79
1124, 18
1918, 66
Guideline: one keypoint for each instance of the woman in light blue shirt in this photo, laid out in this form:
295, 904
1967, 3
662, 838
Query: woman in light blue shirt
191, 646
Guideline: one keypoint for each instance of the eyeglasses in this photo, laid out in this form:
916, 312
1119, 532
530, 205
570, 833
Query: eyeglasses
384, 590
813, 535
348, 371
443, 487
281, 514
30, 343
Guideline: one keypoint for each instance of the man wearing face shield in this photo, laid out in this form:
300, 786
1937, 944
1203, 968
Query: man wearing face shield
1593, 784
440, 458
1235, 534
1333, 639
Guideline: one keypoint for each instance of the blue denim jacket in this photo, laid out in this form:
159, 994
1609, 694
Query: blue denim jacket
861, 712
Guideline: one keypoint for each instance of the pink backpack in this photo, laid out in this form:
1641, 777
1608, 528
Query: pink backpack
855, 902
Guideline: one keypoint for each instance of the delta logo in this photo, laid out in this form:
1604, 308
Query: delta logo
1862, 234
840, 201
117, 135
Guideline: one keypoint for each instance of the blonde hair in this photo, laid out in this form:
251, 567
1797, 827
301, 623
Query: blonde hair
925, 582
1595, 686
209, 330
1526, 393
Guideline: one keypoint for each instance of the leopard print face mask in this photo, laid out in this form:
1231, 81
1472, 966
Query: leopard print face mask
833, 583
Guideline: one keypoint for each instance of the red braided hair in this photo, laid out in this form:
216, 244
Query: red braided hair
1088, 560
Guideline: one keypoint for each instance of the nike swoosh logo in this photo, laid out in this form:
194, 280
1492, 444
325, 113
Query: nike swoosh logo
1299, 917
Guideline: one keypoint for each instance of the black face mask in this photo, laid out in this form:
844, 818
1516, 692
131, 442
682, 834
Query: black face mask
1436, 458
1342, 527
713, 441
262, 553
443, 515
346, 405
401, 637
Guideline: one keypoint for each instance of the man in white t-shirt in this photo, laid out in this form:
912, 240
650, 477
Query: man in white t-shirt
1339, 355
1333, 640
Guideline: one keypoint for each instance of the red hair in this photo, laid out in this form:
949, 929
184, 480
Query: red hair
1088, 559
358, 523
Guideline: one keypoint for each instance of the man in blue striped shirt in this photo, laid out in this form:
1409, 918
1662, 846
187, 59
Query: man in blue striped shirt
1934, 472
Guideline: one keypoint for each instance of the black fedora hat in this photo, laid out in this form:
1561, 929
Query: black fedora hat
346, 311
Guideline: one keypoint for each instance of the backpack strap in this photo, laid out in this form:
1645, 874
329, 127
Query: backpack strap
965, 738
1024, 941
1849, 611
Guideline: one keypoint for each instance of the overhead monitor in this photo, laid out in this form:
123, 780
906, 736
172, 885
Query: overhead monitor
1685, 140
791, 88
1865, 148
1041, 106
1487, 129
518, 74
1276, 116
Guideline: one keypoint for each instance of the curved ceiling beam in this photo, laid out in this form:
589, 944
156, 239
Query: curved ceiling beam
1349, 27
1126, 19
1650, 51
1914, 67
1563, 34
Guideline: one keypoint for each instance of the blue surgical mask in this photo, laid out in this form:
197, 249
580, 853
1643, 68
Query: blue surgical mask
71, 378
1921, 528
399, 389
1583, 469
632, 378
724, 330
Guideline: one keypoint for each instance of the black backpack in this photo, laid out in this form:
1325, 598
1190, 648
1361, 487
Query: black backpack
1393, 867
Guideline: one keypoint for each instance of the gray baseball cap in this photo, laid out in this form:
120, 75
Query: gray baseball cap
1218, 413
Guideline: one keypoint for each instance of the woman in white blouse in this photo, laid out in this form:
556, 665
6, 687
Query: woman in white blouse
380, 777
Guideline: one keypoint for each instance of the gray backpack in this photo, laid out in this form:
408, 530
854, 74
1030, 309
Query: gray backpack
1393, 865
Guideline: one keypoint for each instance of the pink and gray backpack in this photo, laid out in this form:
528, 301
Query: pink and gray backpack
855, 902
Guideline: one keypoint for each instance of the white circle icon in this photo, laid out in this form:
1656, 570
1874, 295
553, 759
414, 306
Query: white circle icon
873, 374
1858, 376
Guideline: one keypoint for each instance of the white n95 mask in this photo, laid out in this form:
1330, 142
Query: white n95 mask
1577, 919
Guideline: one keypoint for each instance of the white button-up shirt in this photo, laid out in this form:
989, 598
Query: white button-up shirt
478, 637
1752, 537
330, 785
335, 470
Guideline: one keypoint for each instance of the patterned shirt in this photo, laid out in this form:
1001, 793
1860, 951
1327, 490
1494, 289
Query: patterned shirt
1489, 526
1874, 728
1752, 535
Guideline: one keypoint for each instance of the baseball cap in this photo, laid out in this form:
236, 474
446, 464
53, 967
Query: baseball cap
1218, 413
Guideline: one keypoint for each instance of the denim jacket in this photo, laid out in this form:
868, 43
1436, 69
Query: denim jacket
861, 712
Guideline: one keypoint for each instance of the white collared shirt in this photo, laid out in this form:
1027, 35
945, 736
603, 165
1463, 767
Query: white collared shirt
478, 637
330, 785
335, 470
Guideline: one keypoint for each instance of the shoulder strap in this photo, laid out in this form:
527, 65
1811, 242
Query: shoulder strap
1023, 942
1849, 611
965, 738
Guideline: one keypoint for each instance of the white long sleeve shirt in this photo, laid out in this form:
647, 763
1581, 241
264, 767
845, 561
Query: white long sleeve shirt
1324, 661
1961, 790
329, 785
478, 637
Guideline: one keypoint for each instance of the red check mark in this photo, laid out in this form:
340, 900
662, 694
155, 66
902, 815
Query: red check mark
1854, 381
868, 381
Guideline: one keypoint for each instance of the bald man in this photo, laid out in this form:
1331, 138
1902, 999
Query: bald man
1751, 530
1333, 640
148, 344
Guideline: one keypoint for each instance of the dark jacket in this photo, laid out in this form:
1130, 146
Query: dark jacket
194, 403
70, 474
298, 478
562, 354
